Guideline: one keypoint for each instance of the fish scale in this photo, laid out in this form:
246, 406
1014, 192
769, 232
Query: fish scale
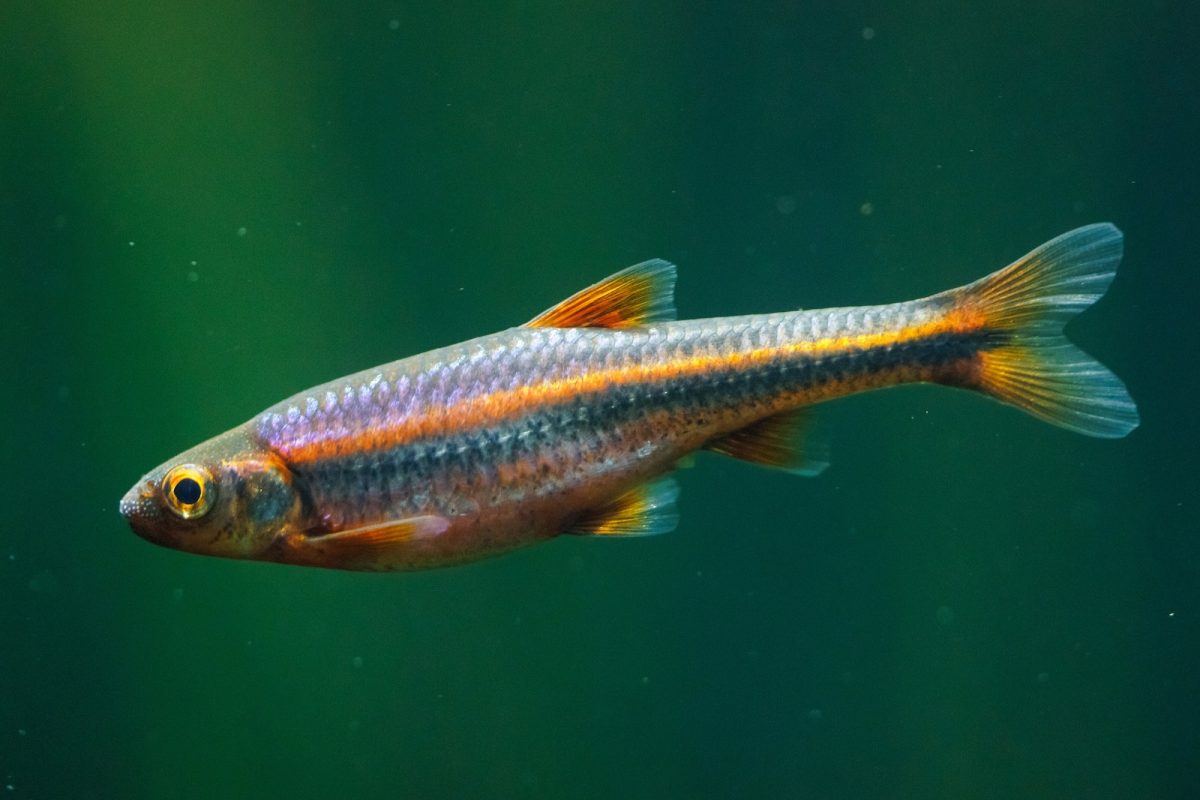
350, 489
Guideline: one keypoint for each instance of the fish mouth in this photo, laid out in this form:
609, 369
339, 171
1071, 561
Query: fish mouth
139, 509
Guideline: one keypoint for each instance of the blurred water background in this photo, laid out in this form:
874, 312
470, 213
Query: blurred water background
205, 207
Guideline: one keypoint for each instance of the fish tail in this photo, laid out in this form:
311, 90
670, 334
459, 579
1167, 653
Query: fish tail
1027, 362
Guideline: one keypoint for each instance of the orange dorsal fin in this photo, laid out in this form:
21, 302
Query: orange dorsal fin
779, 442
645, 510
634, 296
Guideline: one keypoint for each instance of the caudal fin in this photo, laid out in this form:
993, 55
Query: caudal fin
1033, 366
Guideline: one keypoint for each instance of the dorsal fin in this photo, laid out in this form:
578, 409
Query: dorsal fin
634, 296
779, 442
644, 510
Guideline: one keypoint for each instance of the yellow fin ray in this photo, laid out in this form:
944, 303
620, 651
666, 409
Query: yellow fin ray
634, 296
385, 535
1033, 366
645, 510
779, 442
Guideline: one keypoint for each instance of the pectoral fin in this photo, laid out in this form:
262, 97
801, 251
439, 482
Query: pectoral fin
645, 510
780, 442
385, 535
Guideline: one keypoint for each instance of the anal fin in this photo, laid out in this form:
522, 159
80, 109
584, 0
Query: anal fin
779, 442
645, 510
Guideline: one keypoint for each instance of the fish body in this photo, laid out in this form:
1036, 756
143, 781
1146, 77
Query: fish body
573, 422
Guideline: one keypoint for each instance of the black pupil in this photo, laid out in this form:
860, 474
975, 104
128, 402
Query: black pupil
187, 491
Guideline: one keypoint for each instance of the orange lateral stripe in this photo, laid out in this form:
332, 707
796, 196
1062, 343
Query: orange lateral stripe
487, 409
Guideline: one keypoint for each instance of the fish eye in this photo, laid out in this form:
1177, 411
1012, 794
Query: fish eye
188, 490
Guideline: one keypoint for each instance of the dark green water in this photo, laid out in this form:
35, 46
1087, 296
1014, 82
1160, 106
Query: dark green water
203, 210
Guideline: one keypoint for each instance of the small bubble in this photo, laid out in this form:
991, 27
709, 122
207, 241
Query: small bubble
193, 276
131, 243
645, 680
868, 33
357, 661
241, 231
866, 209
393, 24
21, 732
785, 204
815, 715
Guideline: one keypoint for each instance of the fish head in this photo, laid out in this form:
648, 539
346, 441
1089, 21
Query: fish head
228, 497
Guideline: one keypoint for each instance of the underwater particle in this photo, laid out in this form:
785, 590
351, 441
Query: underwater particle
1043, 677
393, 24
60, 222
945, 616
815, 715
63, 393
22, 732
241, 231
785, 204
193, 276
868, 33
354, 725
357, 661
131, 243
867, 209
177, 594
645, 680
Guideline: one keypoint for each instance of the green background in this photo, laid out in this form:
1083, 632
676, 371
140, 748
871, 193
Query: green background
207, 207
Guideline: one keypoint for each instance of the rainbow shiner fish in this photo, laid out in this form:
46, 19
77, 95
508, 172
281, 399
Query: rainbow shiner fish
573, 422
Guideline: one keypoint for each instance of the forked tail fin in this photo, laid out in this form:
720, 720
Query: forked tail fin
1033, 366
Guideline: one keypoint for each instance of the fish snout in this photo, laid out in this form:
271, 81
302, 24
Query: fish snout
141, 510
